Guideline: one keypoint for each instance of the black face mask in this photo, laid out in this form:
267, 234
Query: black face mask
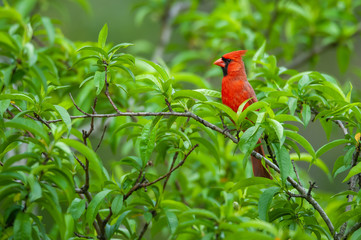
225, 68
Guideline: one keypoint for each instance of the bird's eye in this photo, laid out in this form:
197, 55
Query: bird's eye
226, 60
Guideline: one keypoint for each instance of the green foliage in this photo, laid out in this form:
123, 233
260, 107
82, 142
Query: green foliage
141, 147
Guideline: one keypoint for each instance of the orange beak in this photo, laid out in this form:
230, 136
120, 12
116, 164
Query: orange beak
220, 63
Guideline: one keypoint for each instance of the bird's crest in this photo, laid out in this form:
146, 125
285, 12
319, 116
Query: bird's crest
235, 55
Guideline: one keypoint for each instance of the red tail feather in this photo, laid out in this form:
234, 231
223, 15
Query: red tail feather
258, 169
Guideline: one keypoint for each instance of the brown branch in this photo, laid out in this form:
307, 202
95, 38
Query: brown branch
101, 138
168, 104
41, 120
294, 169
171, 167
144, 114
269, 149
144, 184
82, 236
77, 107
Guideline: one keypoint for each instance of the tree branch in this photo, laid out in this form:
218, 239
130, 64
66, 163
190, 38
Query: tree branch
170, 13
303, 58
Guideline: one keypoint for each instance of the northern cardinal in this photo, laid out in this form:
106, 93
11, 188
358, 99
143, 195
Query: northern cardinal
235, 90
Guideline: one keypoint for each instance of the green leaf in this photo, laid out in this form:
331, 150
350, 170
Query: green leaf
164, 75
50, 31
99, 81
201, 213
253, 107
35, 189
102, 37
355, 170
330, 146
117, 204
306, 114
172, 204
329, 90
95, 204
210, 93
85, 58
152, 78
172, 221
224, 108
284, 161
259, 54
119, 46
77, 208
126, 125
302, 141
264, 226
265, 201
147, 142
29, 125
189, 94
241, 107
127, 70
345, 216
4, 104
251, 182
292, 104
64, 116
93, 49
95, 164
278, 129
115, 227
17, 96
22, 226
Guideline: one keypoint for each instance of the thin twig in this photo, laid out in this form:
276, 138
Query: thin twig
269, 149
171, 167
80, 162
101, 138
294, 169
168, 104
77, 107
82, 236
41, 120
19, 109
107, 88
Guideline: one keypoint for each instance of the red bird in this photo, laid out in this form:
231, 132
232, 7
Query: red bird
235, 90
